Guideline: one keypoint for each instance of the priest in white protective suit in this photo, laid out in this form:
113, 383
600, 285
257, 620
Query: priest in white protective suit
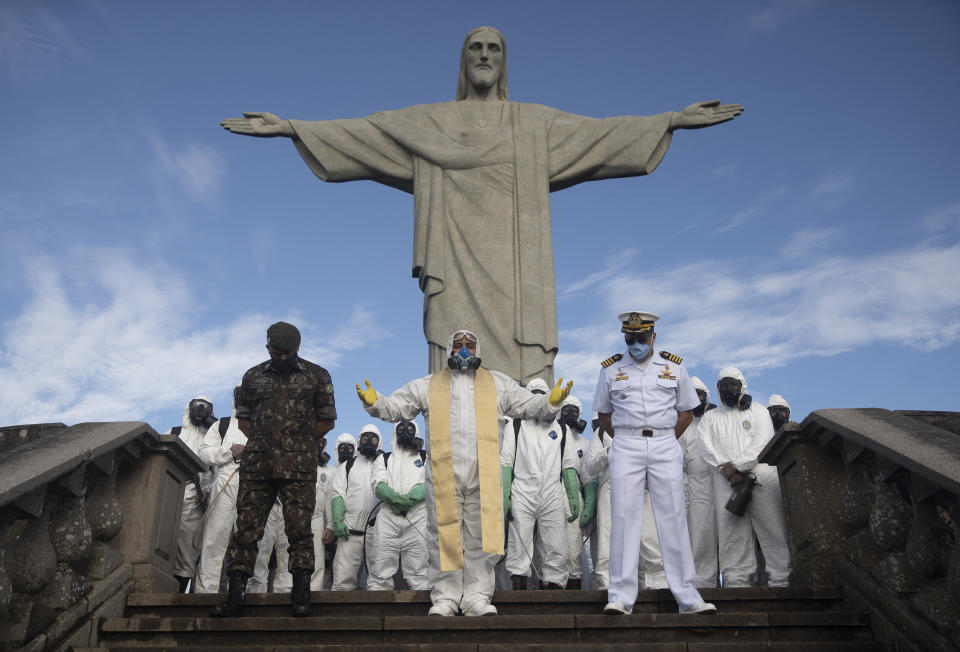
462, 406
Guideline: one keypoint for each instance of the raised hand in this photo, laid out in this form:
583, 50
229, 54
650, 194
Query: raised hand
260, 124
559, 394
368, 395
705, 114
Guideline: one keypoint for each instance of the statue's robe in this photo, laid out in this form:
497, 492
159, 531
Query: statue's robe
482, 243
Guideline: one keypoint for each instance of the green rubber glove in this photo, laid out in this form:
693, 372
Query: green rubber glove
417, 493
386, 493
589, 503
507, 479
572, 486
340, 529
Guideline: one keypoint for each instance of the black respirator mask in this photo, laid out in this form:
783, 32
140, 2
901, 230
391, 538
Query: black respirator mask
369, 442
200, 413
406, 433
779, 415
570, 416
730, 394
324, 458
698, 411
344, 453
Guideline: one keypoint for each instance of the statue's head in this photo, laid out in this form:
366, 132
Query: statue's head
483, 62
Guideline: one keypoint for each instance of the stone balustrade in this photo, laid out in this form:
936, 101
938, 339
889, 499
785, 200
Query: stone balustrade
871, 500
87, 514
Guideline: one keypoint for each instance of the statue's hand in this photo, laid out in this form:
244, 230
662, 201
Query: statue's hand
705, 114
260, 124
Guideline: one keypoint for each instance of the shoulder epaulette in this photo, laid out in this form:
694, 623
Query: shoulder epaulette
675, 359
609, 361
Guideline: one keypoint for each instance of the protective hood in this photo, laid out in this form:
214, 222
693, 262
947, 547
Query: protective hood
393, 439
235, 388
776, 399
538, 383
573, 400
698, 384
345, 437
461, 330
372, 428
186, 411
733, 372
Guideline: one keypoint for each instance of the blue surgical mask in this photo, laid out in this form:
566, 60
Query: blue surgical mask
638, 350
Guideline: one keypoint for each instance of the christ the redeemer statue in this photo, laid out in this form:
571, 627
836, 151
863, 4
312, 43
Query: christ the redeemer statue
481, 170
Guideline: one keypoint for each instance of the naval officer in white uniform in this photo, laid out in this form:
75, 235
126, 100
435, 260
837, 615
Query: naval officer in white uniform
644, 397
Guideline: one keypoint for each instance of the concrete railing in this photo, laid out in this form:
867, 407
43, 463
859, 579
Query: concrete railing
871, 500
87, 514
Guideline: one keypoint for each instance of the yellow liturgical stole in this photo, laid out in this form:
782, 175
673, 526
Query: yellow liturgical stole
488, 462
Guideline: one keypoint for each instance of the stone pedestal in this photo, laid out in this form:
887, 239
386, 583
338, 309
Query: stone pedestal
150, 492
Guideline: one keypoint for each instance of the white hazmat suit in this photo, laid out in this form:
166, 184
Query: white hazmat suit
580, 444
222, 513
191, 514
537, 494
351, 483
701, 512
470, 588
729, 434
400, 537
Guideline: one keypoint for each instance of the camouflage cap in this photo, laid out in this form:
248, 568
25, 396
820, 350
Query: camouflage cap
283, 336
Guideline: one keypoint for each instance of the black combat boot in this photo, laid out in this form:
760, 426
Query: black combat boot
300, 593
519, 582
236, 592
573, 584
184, 583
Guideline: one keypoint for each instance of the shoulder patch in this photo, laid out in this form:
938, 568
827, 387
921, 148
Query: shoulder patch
675, 359
609, 361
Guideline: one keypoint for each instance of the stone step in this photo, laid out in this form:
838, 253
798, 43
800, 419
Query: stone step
760, 646
552, 630
416, 603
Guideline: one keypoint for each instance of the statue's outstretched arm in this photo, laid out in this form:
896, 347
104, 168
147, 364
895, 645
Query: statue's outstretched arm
704, 114
260, 124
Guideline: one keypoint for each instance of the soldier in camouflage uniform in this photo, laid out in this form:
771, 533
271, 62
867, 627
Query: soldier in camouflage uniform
284, 406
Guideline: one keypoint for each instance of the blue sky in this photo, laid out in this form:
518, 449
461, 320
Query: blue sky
814, 241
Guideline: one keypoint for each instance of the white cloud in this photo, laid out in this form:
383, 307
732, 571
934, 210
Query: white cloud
33, 42
942, 218
805, 241
716, 313
614, 265
104, 337
197, 169
777, 12
757, 208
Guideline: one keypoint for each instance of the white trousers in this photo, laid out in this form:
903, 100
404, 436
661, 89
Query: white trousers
764, 518
474, 583
574, 541
274, 537
651, 560
348, 562
191, 515
658, 463
702, 520
547, 513
400, 541
319, 563
221, 517
600, 540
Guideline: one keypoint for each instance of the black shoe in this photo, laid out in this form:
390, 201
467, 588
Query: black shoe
519, 582
552, 586
300, 593
184, 583
573, 584
236, 592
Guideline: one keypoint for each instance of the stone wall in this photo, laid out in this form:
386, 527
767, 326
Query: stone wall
87, 514
871, 499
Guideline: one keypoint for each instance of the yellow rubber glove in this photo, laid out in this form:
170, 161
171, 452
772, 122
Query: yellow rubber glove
559, 394
368, 395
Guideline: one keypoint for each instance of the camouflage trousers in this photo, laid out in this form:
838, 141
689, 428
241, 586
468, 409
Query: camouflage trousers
254, 501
